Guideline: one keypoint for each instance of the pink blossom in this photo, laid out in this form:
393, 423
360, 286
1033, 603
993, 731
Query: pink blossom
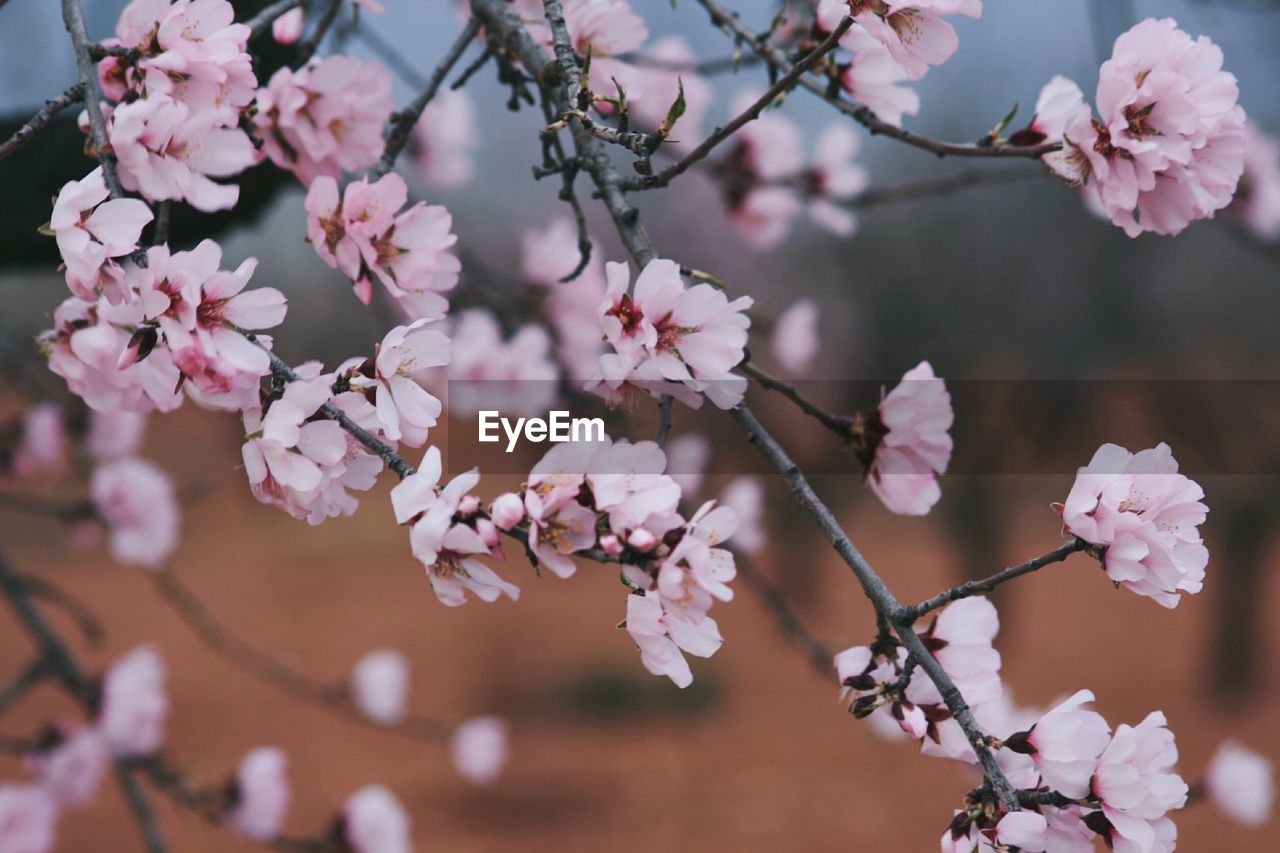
915, 417
136, 501
375, 822
548, 256
327, 228
91, 230
872, 78
961, 637
648, 626
403, 355
794, 341
72, 770
380, 686
1065, 744
287, 28
912, 30
478, 749
1146, 515
168, 152
627, 483
448, 546
1126, 834
652, 90
42, 446
556, 534
1257, 200
1169, 146
114, 435
1026, 830
444, 139
1135, 772
133, 707
507, 510
516, 374
262, 794
326, 118
767, 152
28, 819
1241, 783
687, 461
835, 178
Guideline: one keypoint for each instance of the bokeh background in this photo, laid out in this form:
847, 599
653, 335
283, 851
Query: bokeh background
1015, 282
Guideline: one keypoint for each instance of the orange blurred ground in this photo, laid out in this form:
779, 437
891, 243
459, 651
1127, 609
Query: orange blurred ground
605, 757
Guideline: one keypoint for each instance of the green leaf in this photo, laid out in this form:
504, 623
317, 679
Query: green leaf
675, 111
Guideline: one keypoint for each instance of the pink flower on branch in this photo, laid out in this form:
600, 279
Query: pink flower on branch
374, 821
133, 707
478, 749
92, 231
907, 442
260, 794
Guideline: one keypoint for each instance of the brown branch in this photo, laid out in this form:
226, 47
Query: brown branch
978, 587
73, 19
73, 95
937, 188
838, 424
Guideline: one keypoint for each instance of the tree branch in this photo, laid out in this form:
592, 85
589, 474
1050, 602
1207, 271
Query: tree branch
73, 19
839, 424
73, 95
978, 587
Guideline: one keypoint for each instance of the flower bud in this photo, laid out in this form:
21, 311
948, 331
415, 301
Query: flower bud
507, 510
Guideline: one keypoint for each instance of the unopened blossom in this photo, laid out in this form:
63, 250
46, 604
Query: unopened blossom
1241, 783
913, 31
834, 178
1146, 515
915, 417
1168, 147
28, 819
1256, 204
478, 748
116, 434
1065, 744
261, 794
794, 339
133, 707
42, 446
326, 118
449, 547
93, 230
1135, 772
72, 769
168, 152
137, 502
374, 821
380, 686
444, 140
507, 510
872, 78
287, 28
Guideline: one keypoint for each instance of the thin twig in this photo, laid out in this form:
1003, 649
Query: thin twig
978, 587
839, 424
31, 675
728, 21
937, 188
141, 809
73, 19
402, 122
664, 419
73, 95
750, 114
308, 48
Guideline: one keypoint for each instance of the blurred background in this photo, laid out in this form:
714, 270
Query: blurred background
1015, 283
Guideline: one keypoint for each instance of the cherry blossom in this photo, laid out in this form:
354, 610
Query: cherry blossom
1065, 744
325, 118
380, 686
402, 360
374, 821
515, 374
136, 501
911, 442
650, 627
478, 749
287, 28
114, 435
133, 706
28, 818
444, 139
42, 446
446, 544
794, 339
261, 794
72, 769
913, 31
1146, 515
687, 457
91, 231
765, 153
547, 256
652, 90
745, 496
834, 178
872, 76
1135, 772
1241, 783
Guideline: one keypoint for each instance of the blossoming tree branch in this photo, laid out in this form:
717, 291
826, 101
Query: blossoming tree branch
177, 104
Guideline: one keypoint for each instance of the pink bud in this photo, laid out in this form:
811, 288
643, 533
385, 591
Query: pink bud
611, 544
507, 510
287, 28
140, 345
469, 505
488, 533
641, 539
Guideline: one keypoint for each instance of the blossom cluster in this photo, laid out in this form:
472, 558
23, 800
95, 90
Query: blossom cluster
366, 231
178, 95
326, 118
766, 182
1168, 144
913, 32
